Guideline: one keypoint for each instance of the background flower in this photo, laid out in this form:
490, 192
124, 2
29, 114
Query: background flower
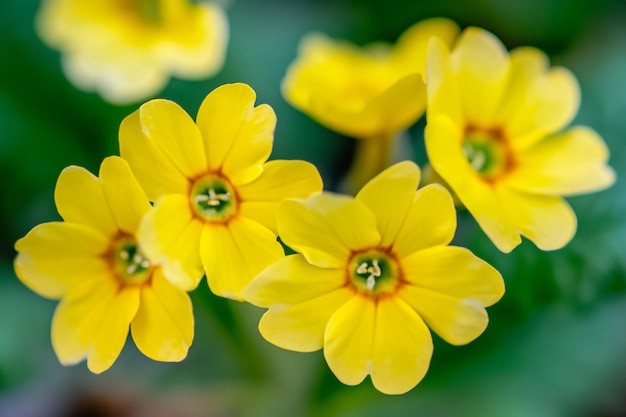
497, 135
127, 50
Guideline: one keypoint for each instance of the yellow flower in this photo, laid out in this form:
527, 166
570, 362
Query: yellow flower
94, 262
215, 195
495, 135
371, 273
364, 92
126, 50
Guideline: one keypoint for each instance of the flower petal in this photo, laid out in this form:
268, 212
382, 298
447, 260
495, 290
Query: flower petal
93, 322
170, 235
163, 326
458, 321
300, 327
349, 340
455, 272
292, 280
568, 163
237, 136
544, 101
443, 144
325, 227
204, 55
125, 197
442, 85
430, 221
144, 147
278, 181
389, 196
402, 347
411, 49
548, 221
481, 63
233, 254
53, 257
80, 198
395, 109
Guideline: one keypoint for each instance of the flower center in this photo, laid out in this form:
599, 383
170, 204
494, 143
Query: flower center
213, 199
374, 272
487, 152
130, 264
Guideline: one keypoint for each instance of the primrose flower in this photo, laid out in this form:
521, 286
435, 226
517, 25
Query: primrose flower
495, 135
215, 195
126, 50
94, 262
371, 272
364, 92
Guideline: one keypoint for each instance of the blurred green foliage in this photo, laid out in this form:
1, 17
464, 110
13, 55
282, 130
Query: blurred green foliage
556, 344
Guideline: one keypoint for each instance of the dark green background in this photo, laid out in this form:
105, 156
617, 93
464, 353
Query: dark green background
556, 344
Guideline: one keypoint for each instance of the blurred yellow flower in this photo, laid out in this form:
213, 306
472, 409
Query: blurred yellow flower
372, 270
94, 262
126, 50
215, 194
364, 92
495, 135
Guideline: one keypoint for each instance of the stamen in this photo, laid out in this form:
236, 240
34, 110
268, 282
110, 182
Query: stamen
124, 255
374, 272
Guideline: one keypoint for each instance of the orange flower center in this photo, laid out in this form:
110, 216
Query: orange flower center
214, 199
374, 272
487, 152
131, 266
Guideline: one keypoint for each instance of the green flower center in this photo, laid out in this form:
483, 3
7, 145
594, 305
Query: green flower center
374, 272
213, 199
131, 265
487, 153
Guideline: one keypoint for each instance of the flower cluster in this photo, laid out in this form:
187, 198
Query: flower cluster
372, 274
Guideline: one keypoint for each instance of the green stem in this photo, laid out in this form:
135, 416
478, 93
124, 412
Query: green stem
372, 155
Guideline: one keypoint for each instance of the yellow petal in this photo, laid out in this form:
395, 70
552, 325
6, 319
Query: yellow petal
93, 322
455, 272
573, 162
237, 136
443, 144
442, 87
203, 55
170, 235
155, 170
349, 340
292, 280
456, 320
394, 110
411, 49
389, 196
125, 197
326, 227
548, 221
482, 65
163, 326
235, 253
430, 221
539, 100
53, 257
402, 347
278, 181
80, 198
300, 327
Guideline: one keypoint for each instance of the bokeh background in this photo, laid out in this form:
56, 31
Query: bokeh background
556, 343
